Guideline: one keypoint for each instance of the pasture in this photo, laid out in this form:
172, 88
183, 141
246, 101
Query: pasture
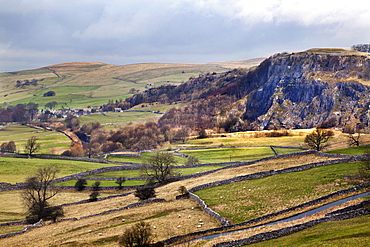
229, 154
351, 232
15, 170
51, 142
249, 199
83, 84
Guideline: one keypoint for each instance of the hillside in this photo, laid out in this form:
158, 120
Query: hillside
317, 87
101, 223
83, 84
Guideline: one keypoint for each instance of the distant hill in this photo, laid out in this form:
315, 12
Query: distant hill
318, 87
83, 84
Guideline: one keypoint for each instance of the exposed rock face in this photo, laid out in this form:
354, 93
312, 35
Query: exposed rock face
308, 89
318, 87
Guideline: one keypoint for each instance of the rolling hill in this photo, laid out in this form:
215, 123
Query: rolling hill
83, 84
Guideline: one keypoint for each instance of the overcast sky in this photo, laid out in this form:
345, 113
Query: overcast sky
37, 33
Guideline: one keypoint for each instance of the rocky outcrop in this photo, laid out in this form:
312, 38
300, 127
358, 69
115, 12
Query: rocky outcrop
309, 89
314, 88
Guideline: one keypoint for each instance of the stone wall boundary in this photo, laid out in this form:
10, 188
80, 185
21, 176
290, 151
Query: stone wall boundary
132, 205
267, 216
355, 210
208, 210
346, 214
271, 172
228, 165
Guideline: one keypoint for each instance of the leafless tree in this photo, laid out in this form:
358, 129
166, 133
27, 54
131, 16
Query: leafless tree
318, 139
31, 146
38, 191
160, 167
354, 140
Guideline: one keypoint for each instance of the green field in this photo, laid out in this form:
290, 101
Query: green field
52, 142
15, 170
351, 151
136, 172
249, 199
219, 155
351, 232
83, 84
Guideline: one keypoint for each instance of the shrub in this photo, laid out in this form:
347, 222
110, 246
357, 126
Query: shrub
120, 181
67, 153
140, 235
94, 195
182, 190
80, 184
192, 161
145, 193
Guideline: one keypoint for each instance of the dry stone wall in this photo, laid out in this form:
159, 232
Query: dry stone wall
346, 214
208, 210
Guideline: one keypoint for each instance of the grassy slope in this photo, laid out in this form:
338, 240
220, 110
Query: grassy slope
162, 215
82, 84
351, 232
253, 198
51, 142
15, 170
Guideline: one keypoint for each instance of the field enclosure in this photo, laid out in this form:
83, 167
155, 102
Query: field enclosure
83, 84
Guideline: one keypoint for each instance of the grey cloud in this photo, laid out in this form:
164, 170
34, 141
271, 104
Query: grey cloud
38, 33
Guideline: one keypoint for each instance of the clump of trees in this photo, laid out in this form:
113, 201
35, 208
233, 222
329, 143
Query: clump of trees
139, 235
37, 194
139, 137
72, 122
9, 147
318, 139
21, 113
201, 114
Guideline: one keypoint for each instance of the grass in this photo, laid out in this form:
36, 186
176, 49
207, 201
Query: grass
234, 154
79, 85
350, 232
217, 155
162, 215
13, 209
350, 151
119, 119
249, 199
15, 170
136, 172
51, 142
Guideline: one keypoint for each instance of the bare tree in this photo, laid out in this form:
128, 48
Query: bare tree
318, 139
31, 146
91, 149
38, 191
160, 167
354, 140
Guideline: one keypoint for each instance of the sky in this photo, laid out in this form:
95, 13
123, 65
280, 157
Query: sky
37, 33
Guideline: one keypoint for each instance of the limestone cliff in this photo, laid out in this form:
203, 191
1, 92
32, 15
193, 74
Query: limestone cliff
310, 88
318, 87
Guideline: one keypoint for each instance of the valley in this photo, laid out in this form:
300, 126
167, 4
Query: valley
234, 133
